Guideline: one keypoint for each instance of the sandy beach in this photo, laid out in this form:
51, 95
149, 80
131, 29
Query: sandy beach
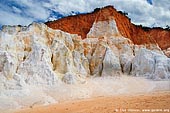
157, 102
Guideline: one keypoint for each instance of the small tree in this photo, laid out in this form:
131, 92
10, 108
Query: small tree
125, 13
167, 27
97, 9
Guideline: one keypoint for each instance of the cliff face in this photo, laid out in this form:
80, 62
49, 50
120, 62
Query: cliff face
162, 37
81, 24
38, 56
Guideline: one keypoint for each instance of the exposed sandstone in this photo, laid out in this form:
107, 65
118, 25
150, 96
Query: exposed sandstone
81, 25
151, 64
105, 44
40, 55
167, 52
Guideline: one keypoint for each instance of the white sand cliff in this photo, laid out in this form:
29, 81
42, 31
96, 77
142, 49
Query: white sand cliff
37, 61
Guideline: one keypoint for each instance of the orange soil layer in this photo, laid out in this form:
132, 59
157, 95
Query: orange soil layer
132, 104
81, 24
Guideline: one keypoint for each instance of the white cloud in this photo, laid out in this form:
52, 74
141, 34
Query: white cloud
9, 18
33, 9
139, 11
16, 10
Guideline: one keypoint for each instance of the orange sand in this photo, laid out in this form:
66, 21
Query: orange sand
122, 104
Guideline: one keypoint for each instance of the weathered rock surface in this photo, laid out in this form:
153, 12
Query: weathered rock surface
82, 24
111, 64
39, 55
167, 52
106, 28
105, 43
110, 29
151, 64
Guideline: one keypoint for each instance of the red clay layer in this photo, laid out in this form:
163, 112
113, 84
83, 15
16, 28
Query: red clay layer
81, 24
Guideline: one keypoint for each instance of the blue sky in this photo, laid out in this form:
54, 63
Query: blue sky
23, 12
150, 2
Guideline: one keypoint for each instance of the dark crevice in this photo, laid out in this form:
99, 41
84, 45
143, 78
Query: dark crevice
17, 69
133, 50
102, 62
121, 65
130, 70
90, 60
101, 71
52, 62
24, 58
